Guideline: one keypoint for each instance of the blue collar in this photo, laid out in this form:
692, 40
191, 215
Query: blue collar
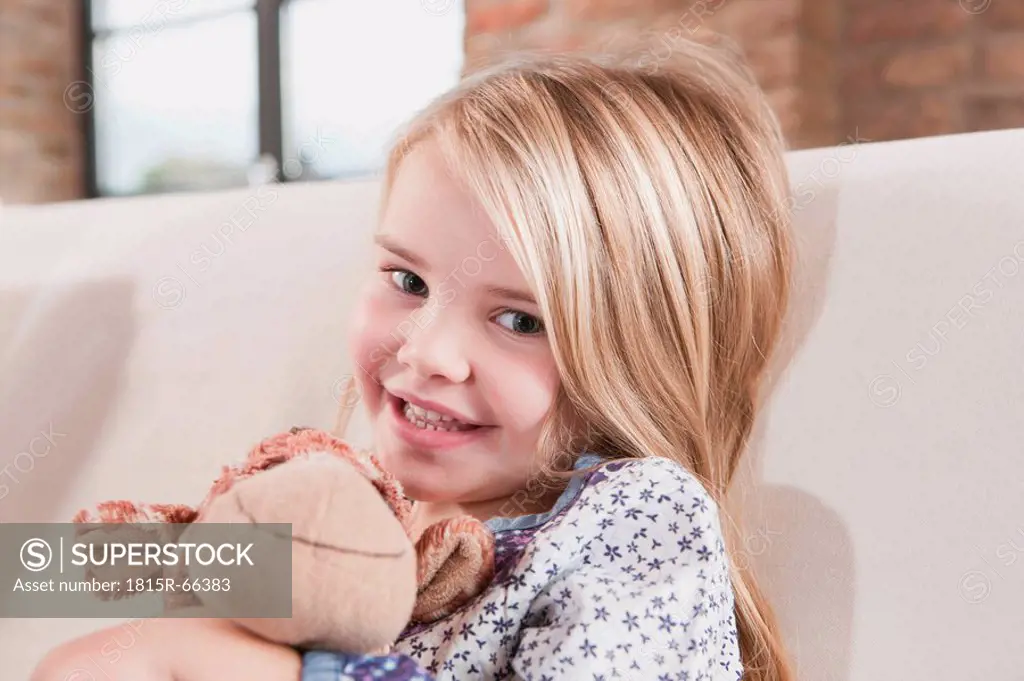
524, 522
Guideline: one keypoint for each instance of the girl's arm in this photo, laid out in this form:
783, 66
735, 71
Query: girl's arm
170, 649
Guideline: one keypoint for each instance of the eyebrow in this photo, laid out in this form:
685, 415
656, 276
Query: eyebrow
512, 294
387, 243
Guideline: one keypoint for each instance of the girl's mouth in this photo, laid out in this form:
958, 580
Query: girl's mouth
430, 430
431, 420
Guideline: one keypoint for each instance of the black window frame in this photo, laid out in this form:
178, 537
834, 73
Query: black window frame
270, 117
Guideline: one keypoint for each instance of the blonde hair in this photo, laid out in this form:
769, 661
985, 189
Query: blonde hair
647, 208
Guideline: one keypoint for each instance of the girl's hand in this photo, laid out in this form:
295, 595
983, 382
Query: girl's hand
170, 649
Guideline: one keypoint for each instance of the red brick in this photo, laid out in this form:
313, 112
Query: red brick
785, 102
818, 66
904, 20
902, 115
59, 148
693, 21
1003, 59
502, 15
820, 113
994, 112
39, 66
928, 66
859, 73
775, 62
1002, 14
49, 13
749, 21
867, 70
605, 10
821, 21
39, 44
810, 138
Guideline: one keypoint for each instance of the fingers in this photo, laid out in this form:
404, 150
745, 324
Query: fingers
114, 654
218, 649
165, 649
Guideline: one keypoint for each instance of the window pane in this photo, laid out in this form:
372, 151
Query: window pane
155, 14
178, 111
353, 72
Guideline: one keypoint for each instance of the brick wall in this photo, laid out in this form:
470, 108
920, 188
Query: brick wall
929, 67
41, 139
768, 30
833, 69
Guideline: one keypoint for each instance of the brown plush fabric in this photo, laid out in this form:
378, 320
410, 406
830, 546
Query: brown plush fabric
122, 511
328, 505
301, 441
455, 563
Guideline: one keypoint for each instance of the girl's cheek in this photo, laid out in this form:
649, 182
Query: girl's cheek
368, 353
374, 335
528, 388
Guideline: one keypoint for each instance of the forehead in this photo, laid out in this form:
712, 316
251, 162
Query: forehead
432, 215
423, 177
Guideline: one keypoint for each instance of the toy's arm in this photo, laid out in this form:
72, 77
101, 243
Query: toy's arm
455, 562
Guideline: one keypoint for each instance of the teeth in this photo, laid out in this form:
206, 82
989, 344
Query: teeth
431, 420
427, 414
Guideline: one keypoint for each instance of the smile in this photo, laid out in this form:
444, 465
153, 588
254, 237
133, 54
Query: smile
432, 420
429, 429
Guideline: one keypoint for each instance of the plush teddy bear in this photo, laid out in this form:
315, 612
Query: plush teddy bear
357, 577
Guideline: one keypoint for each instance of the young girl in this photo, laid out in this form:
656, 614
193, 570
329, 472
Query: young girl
582, 270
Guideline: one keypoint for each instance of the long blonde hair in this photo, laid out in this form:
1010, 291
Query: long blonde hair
647, 208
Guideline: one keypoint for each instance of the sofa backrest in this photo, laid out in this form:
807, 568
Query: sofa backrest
145, 342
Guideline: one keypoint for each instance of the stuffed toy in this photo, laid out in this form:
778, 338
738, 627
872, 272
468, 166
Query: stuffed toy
358, 578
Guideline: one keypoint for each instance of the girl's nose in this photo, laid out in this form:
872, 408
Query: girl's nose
434, 349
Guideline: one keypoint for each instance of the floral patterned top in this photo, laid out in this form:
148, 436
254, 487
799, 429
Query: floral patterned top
625, 578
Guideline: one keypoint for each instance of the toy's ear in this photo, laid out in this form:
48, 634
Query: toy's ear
128, 522
455, 563
130, 512
268, 453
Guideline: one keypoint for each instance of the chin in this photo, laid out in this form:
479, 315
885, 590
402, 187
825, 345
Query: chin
429, 495
430, 483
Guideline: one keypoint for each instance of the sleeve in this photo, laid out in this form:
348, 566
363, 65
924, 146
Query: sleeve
645, 591
326, 665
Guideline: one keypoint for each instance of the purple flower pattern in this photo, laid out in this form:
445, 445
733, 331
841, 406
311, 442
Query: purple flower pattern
629, 581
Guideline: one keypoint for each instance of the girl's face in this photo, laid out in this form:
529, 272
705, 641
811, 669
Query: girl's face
455, 368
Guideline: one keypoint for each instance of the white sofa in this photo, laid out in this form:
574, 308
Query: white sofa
884, 485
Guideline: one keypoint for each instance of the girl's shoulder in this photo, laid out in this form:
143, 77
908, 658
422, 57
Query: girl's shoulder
648, 471
631, 542
648, 485
652, 507
602, 484
609, 498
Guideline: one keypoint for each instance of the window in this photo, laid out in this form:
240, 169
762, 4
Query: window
211, 94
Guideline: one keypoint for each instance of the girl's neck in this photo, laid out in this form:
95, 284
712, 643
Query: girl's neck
427, 513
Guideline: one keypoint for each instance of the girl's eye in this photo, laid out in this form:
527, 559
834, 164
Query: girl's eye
521, 323
408, 282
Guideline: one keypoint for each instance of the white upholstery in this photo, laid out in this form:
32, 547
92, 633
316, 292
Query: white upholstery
883, 490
